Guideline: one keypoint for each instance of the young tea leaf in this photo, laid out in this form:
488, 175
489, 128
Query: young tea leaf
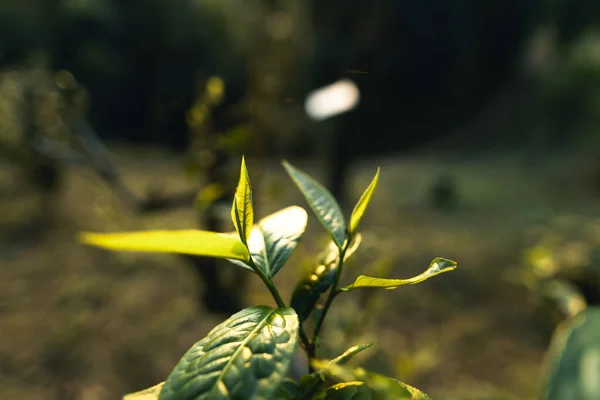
383, 387
437, 266
574, 359
274, 238
322, 203
245, 357
361, 206
242, 213
146, 394
351, 352
309, 290
194, 242
355, 390
310, 382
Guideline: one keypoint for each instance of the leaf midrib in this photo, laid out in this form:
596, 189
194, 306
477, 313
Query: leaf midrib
241, 346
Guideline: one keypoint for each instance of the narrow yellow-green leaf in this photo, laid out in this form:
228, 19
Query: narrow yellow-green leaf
361, 206
194, 242
242, 213
351, 352
437, 266
383, 387
322, 203
146, 394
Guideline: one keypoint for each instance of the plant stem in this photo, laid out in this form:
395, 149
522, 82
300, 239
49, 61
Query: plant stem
304, 338
311, 348
332, 293
269, 283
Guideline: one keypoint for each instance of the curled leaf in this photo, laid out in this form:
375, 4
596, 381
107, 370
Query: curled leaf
437, 266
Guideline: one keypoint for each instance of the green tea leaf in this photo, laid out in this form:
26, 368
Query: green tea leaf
287, 390
245, 357
437, 266
311, 381
383, 387
274, 239
322, 203
361, 206
242, 213
355, 390
351, 352
309, 290
574, 359
146, 394
194, 242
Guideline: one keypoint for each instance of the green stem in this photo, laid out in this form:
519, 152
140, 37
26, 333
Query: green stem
332, 293
269, 283
311, 348
304, 338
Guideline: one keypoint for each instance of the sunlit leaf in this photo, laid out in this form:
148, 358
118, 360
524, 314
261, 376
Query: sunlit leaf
274, 239
242, 213
361, 206
437, 266
322, 203
194, 242
245, 357
308, 291
331, 254
146, 394
351, 352
574, 359
383, 387
310, 382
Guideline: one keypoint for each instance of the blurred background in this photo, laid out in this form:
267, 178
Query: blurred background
130, 115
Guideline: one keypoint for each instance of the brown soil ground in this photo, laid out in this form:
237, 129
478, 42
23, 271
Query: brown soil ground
80, 323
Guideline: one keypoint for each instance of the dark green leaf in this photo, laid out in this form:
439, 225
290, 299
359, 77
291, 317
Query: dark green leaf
146, 394
361, 206
437, 266
322, 203
287, 390
574, 356
245, 357
242, 212
309, 290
